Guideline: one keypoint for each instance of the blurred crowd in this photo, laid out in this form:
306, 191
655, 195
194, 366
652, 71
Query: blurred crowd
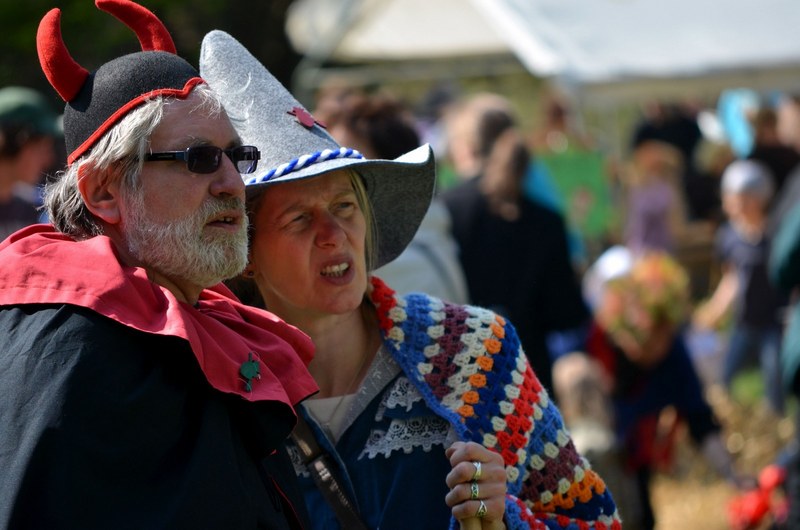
636, 281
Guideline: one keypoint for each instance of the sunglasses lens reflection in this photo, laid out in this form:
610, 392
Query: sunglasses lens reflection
245, 158
203, 158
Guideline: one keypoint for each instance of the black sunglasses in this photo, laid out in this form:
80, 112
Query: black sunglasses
207, 158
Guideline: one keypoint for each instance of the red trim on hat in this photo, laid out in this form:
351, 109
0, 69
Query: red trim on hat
61, 70
152, 33
125, 109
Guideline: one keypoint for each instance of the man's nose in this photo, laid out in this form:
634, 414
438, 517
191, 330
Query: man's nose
227, 180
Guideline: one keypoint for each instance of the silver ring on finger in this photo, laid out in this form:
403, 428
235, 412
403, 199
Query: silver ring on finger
477, 475
481, 513
474, 491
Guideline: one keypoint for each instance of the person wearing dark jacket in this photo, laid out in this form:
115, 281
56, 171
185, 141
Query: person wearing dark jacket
784, 269
513, 251
138, 391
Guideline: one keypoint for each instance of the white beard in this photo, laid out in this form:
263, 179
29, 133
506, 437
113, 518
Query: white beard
181, 249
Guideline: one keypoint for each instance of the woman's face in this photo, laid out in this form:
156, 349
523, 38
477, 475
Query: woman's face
308, 246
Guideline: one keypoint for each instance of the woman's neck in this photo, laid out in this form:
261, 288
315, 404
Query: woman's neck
344, 348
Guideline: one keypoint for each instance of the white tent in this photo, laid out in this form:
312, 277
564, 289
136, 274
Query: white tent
611, 48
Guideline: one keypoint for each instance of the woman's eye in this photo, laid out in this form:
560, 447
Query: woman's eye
297, 219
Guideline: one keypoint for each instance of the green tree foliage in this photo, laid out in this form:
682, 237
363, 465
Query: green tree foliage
94, 37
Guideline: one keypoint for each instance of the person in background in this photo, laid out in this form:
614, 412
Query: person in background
138, 392
568, 175
513, 251
428, 412
380, 127
635, 368
655, 217
28, 131
671, 122
788, 131
743, 247
768, 148
784, 270
560, 130
712, 160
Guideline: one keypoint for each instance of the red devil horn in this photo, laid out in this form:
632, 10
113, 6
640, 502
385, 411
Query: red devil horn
66, 75
153, 35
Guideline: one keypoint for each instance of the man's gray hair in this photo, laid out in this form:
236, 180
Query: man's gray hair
120, 154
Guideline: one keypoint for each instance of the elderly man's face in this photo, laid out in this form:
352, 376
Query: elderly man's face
189, 229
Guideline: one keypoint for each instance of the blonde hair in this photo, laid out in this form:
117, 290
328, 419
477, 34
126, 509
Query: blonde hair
371, 237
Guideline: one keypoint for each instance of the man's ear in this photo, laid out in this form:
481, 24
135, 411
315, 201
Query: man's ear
101, 194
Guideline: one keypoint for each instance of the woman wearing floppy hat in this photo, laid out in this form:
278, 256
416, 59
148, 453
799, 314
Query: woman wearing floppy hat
428, 412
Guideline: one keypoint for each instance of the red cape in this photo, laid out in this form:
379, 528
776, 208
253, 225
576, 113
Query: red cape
39, 265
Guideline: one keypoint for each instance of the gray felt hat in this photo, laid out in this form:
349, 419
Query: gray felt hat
294, 146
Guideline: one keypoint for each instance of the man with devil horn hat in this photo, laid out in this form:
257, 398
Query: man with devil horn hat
137, 391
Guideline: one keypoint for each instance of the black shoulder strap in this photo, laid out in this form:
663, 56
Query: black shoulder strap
319, 465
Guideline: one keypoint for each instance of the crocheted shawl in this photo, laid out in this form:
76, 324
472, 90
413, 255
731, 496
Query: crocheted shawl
468, 364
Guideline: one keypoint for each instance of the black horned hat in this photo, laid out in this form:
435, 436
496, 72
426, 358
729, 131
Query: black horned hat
96, 101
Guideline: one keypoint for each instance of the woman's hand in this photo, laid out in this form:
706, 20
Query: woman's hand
477, 498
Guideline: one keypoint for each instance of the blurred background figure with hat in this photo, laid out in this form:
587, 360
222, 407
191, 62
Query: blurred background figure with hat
745, 296
28, 131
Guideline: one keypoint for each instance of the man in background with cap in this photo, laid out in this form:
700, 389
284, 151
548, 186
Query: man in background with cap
28, 130
137, 391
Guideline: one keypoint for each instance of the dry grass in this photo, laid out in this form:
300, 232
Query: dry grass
693, 496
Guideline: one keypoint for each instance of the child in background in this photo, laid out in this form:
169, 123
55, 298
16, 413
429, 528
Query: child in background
636, 362
656, 206
743, 248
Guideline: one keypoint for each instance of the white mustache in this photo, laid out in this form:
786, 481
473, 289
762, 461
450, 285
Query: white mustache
213, 207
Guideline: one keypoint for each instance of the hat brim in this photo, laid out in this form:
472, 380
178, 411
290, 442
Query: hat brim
399, 191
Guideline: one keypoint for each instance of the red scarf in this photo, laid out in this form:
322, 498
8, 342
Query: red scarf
39, 265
